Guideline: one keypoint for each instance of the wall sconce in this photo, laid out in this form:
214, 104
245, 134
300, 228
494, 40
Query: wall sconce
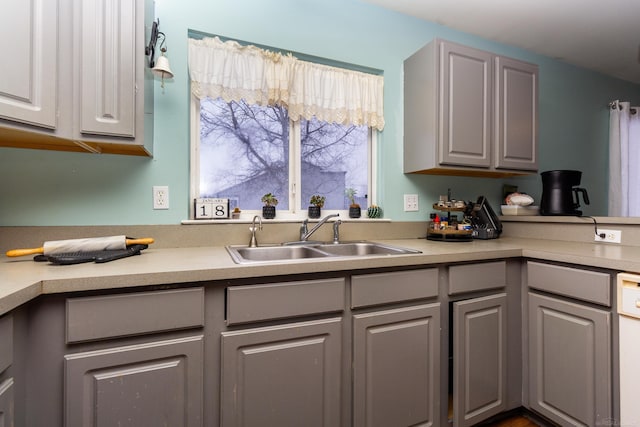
161, 68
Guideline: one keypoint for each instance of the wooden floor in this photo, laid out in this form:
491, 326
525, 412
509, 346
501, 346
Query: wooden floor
516, 421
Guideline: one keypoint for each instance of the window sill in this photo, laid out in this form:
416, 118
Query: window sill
248, 219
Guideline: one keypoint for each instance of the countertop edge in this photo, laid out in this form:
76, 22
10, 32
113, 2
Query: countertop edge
22, 281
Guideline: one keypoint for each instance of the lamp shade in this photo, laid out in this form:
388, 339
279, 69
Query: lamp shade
161, 69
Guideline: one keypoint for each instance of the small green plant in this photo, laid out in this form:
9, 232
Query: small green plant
351, 195
317, 200
269, 200
374, 211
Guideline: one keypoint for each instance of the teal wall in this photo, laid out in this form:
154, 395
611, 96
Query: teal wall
51, 188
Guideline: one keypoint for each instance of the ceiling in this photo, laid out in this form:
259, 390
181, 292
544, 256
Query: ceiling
596, 34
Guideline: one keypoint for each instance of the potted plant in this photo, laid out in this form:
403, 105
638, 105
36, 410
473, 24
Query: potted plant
269, 208
374, 211
354, 208
235, 214
316, 202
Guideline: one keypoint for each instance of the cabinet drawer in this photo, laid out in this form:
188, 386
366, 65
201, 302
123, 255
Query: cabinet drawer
585, 285
93, 318
477, 277
6, 338
278, 300
384, 288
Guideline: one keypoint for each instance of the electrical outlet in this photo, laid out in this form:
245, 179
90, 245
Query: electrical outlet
160, 197
610, 236
411, 203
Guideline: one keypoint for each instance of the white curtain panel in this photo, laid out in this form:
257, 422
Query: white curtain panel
624, 160
232, 72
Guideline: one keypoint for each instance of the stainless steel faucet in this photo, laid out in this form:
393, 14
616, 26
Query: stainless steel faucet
253, 243
305, 234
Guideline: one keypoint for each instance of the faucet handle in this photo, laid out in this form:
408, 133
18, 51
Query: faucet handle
304, 227
336, 231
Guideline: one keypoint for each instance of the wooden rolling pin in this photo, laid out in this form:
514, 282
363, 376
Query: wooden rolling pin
91, 244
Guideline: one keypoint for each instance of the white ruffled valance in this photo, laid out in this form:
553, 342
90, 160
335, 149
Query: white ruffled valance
232, 72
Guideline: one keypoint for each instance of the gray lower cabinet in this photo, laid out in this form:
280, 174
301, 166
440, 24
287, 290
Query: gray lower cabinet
570, 344
396, 363
285, 375
6, 403
129, 363
154, 384
569, 361
480, 359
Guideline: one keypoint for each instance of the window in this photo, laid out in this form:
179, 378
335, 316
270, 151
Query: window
249, 150
278, 135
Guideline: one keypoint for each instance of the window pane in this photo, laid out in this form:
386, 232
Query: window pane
244, 152
334, 157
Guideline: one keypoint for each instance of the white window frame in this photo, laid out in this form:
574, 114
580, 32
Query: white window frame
297, 208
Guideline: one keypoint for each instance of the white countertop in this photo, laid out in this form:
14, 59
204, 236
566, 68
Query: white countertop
22, 279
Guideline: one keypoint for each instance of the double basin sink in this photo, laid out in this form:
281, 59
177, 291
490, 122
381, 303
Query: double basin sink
313, 251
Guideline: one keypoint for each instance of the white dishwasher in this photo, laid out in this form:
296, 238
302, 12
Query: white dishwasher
629, 311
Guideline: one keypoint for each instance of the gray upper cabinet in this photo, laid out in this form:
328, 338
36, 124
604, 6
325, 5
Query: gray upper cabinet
108, 56
29, 44
469, 112
465, 86
79, 76
516, 114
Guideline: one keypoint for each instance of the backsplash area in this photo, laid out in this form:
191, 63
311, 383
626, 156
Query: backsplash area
572, 229
198, 235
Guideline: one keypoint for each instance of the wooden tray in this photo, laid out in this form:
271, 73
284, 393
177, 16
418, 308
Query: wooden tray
450, 235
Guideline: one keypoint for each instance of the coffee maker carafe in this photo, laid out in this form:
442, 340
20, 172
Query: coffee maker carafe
560, 193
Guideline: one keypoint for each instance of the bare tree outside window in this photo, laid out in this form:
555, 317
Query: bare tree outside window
244, 153
334, 157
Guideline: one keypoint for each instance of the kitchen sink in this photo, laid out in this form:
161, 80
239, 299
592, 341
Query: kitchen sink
272, 253
363, 249
311, 251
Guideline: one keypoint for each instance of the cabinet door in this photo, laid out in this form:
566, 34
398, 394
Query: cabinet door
569, 362
29, 46
107, 67
396, 362
466, 91
282, 375
516, 114
479, 359
6, 403
154, 384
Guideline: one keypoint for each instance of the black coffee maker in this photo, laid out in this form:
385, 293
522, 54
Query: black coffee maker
560, 193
